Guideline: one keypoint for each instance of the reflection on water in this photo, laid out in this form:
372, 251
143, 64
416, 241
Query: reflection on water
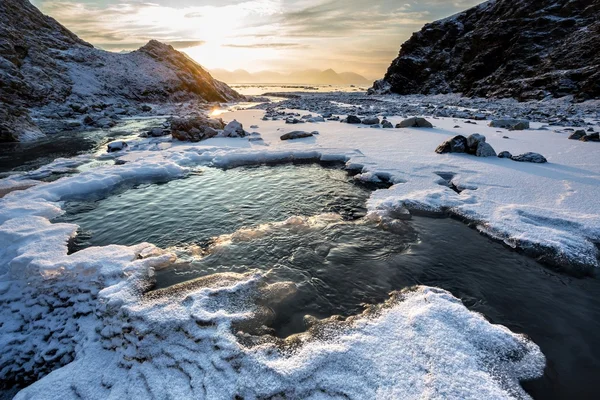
246, 218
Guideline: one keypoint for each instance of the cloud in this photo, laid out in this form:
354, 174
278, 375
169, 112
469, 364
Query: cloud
266, 45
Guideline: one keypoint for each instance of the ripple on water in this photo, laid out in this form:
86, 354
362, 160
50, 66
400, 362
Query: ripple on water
303, 223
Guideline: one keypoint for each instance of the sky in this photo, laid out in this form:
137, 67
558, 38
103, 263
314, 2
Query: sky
361, 36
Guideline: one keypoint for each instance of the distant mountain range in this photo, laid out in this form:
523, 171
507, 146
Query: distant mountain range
309, 76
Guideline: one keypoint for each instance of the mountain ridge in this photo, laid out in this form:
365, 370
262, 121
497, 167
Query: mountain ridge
44, 67
504, 48
308, 76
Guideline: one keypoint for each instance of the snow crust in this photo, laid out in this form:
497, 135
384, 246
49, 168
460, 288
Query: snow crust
86, 324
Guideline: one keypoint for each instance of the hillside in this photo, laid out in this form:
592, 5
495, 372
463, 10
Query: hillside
504, 48
43, 64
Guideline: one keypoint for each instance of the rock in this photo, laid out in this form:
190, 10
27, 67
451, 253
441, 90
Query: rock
504, 154
234, 129
316, 119
295, 135
376, 126
458, 144
593, 137
353, 119
414, 122
145, 108
485, 150
577, 135
530, 157
512, 124
157, 132
253, 126
508, 48
370, 121
386, 124
117, 146
473, 142
195, 129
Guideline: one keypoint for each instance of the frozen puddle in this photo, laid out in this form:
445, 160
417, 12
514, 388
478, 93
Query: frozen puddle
257, 250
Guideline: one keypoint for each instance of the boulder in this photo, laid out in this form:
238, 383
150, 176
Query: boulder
414, 122
530, 157
157, 132
117, 146
593, 137
485, 150
504, 154
146, 108
458, 144
353, 119
577, 135
296, 135
370, 121
386, 124
195, 129
234, 129
473, 142
512, 124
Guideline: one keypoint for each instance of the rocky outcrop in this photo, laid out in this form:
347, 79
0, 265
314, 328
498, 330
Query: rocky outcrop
504, 48
44, 66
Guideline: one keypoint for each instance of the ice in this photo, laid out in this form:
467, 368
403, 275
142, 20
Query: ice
86, 325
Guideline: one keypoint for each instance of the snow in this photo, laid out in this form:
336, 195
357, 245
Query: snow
86, 325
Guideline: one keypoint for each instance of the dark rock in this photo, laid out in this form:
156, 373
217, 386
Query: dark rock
512, 124
473, 142
295, 135
386, 124
504, 154
485, 150
577, 135
530, 157
370, 121
234, 129
146, 108
593, 137
414, 122
458, 144
195, 129
353, 119
117, 146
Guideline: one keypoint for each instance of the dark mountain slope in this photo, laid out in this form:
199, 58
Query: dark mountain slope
504, 48
43, 64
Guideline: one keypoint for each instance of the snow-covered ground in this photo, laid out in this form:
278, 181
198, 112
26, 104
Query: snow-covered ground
89, 316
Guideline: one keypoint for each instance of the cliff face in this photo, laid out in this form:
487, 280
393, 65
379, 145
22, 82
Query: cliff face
526, 49
42, 63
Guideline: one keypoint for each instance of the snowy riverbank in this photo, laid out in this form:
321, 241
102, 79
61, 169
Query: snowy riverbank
93, 306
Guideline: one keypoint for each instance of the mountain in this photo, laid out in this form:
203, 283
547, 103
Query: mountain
526, 49
309, 76
45, 66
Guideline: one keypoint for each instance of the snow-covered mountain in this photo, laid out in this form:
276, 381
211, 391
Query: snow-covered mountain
504, 48
43, 64
309, 76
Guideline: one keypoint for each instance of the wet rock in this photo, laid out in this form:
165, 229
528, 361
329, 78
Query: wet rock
117, 146
504, 154
512, 124
386, 124
458, 144
353, 119
577, 134
415, 122
370, 121
530, 157
296, 135
234, 129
